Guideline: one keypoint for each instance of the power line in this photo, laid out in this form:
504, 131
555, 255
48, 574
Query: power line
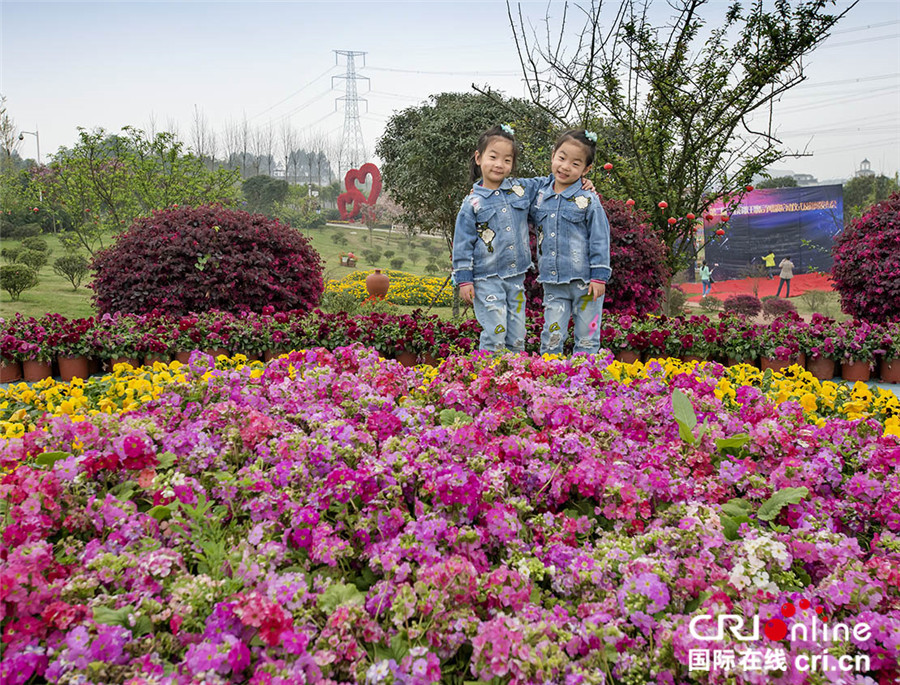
858, 41
296, 92
847, 80
866, 27
446, 73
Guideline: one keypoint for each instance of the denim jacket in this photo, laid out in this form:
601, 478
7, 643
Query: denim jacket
573, 235
491, 236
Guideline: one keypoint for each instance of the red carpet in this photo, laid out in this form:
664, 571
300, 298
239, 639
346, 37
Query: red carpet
722, 289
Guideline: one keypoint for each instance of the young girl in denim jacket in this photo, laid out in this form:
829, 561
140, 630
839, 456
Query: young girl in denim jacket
573, 247
491, 251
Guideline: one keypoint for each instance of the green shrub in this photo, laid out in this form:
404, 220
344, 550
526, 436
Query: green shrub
414, 256
36, 243
10, 254
331, 214
16, 278
710, 304
397, 263
389, 253
21, 231
432, 268
36, 260
372, 256
73, 267
338, 238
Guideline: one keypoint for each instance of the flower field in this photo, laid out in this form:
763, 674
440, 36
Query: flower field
405, 288
337, 517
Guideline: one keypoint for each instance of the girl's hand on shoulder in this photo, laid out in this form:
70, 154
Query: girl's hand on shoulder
588, 185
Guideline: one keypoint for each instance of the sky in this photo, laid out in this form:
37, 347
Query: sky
155, 65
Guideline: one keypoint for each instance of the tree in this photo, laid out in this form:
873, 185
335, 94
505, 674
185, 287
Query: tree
106, 181
426, 151
778, 182
263, 193
9, 138
673, 104
862, 192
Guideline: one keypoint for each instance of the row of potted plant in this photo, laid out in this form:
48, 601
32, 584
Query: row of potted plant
858, 346
820, 344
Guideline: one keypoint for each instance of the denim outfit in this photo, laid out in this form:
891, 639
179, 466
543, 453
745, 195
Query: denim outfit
491, 251
573, 250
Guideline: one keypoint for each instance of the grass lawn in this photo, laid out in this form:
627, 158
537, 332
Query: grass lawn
54, 294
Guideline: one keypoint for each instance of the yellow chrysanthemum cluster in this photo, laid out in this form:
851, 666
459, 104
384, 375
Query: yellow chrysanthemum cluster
405, 288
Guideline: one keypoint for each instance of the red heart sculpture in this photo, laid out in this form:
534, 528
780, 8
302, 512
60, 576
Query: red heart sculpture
354, 194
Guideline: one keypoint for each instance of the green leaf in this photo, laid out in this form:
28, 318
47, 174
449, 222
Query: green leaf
735, 442
143, 626
684, 416
731, 525
50, 458
399, 646
772, 506
113, 617
737, 507
166, 460
448, 417
339, 594
160, 512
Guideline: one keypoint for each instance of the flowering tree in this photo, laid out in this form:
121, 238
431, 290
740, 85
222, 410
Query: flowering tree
673, 104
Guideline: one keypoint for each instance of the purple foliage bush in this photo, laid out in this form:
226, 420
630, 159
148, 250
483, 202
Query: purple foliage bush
866, 269
186, 259
748, 305
637, 257
774, 307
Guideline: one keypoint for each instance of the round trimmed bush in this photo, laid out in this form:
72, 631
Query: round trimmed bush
36, 243
748, 305
15, 278
773, 307
33, 258
73, 267
195, 259
866, 269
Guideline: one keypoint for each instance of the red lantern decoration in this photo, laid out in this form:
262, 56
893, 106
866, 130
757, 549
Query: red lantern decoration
724, 218
608, 166
35, 209
663, 204
672, 221
749, 188
710, 217
629, 202
720, 232
690, 217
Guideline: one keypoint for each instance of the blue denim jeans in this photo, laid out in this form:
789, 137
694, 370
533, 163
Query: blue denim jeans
500, 309
707, 286
784, 281
562, 301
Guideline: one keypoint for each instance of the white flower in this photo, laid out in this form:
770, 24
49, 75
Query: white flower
518, 190
582, 202
487, 235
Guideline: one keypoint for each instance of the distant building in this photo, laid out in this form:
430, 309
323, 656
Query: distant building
805, 179
865, 169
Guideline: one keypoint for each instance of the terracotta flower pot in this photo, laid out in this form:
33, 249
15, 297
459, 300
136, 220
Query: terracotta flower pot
406, 358
217, 351
133, 361
627, 356
377, 284
821, 367
72, 367
734, 362
183, 356
855, 371
269, 355
150, 359
10, 372
95, 366
693, 358
430, 359
33, 371
890, 370
774, 364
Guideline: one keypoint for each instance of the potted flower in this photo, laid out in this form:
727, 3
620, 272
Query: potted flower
699, 339
780, 344
620, 337
115, 339
37, 350
739, 339
859, 343
820, 348
890, 361
10, 350
74, 347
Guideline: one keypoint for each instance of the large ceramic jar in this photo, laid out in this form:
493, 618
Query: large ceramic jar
377, 284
